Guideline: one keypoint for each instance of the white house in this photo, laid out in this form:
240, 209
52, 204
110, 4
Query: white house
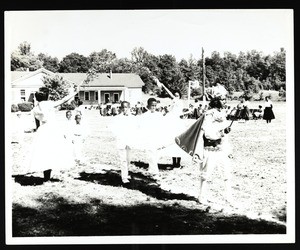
25, 83
112, 87
108, 87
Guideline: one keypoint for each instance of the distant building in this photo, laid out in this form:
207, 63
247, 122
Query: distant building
105, 88
113, 87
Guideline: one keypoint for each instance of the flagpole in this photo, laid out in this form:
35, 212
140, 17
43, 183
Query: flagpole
203, 79
189, 93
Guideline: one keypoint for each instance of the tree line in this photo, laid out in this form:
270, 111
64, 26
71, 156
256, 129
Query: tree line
249, 71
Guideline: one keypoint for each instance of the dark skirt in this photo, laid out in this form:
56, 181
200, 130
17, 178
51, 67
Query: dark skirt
245, 113
238, 114
242, 113
268, 114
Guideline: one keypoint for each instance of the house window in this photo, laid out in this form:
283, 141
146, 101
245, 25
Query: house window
116, 97
96, 95
23, 97
107, 97
87, 96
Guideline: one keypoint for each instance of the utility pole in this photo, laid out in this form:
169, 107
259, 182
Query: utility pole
203, 77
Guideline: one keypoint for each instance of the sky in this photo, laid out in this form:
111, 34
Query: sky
181, 33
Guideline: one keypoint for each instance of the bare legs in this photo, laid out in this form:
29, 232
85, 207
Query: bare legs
124, 155
210, 162
153, 163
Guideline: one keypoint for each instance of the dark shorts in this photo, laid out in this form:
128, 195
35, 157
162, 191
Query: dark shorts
211, 143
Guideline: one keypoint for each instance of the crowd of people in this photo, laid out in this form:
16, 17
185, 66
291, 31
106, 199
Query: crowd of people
148, 128
113, 109
242, 112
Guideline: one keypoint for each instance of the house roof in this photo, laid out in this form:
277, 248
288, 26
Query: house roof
129, 80
17, 75
21, 75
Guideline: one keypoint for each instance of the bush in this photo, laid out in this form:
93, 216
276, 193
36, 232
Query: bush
25, 106
247, 95
14, 108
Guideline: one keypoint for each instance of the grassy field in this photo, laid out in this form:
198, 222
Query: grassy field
91, 200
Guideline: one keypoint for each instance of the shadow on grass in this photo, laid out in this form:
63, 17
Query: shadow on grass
31, 180
138, 182
58, 217
144, 165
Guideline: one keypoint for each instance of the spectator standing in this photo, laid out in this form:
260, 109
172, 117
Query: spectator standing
79, 132
268, 111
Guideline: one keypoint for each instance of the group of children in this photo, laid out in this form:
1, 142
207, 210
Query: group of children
75, 133
113, 109
151, 130
147, 131
205, 140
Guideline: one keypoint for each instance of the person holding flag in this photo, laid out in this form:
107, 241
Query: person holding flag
50, 150
206, 140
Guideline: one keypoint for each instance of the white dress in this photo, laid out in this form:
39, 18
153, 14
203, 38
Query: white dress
50, 149
174, 127
79, 133
123, 128
149, 131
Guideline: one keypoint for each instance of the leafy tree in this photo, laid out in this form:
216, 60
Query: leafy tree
101, 62
25, 49
139, 55
185, 70
122, 65
189, 69
146, 66
170, 74
23, 59
278, 69
48, 62
74, 63
58, 87
146, 76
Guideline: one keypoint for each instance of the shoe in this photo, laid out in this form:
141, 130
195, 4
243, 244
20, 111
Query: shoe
125, 181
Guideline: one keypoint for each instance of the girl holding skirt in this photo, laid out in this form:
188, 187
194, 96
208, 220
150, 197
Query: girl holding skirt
50, 150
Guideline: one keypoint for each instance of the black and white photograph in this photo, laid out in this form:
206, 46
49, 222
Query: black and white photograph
149, 126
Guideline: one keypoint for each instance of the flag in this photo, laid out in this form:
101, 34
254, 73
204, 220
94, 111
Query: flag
158, 83
194, 84
110, 74
188, 140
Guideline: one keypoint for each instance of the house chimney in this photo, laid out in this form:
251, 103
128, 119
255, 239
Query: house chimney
110, 74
